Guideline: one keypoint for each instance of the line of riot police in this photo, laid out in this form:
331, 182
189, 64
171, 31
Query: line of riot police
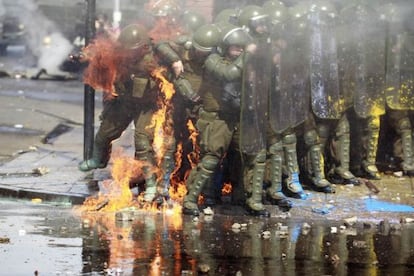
278, 91
310, 72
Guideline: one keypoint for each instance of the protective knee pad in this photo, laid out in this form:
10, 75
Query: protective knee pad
342, 127
311, 138
403, 124
373, 123
142, 143
260, 157
276, 148
323, 131
289, 139
209, 162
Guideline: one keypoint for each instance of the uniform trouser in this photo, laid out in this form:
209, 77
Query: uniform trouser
116, 117
400, 121
334, 138
216, 135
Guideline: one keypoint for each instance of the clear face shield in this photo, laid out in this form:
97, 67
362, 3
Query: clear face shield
260, 24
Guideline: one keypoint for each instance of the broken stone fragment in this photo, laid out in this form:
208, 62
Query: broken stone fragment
236, 225
208, 211
407, 220
203, 268
350, 221
266, 234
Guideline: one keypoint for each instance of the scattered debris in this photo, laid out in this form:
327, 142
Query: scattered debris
4, 240
56, 132
371, 186
266, 235
323, 210
350, 221
203, 268
208, 211
41, 171
398, 174
102, 204
36, 200
236, 225
407, 220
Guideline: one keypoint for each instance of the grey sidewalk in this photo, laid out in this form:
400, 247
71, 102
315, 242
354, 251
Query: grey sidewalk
48, 171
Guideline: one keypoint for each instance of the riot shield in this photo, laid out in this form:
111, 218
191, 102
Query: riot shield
399, 91
254, 99
324, 80
289, 96
366, 60
346, 62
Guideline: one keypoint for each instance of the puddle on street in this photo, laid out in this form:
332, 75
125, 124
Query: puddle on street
53, 240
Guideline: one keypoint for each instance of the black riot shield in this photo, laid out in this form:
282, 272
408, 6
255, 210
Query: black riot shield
366, 60
324, 79
399, 91
289, 96
254, 99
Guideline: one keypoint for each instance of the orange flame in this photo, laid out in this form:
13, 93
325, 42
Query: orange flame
109, 62
117, 194
193, 156
227, 188
162, 122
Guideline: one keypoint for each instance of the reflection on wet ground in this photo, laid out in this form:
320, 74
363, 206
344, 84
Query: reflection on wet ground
54, 240
223, 245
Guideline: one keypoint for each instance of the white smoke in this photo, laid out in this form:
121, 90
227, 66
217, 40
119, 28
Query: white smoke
43, 38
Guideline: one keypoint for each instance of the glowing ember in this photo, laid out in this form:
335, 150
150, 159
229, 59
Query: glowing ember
227, 188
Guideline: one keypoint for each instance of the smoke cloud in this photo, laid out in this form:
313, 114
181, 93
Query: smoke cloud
43, 39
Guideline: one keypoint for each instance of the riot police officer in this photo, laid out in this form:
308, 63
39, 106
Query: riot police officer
135, 101
283, 116
399, 79
362, 67
186, 81
219, 117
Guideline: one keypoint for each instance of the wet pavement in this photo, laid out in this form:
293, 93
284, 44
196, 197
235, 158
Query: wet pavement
57, 239
355, 230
